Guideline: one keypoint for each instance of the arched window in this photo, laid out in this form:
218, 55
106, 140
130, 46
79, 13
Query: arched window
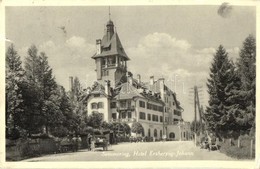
172, 135
149, 133
160, 133
155, 133
93, 105
100, 105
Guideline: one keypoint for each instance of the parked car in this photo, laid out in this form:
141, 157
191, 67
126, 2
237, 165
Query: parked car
101, 141
135, 139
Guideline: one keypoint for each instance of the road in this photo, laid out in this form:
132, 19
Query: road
174, 150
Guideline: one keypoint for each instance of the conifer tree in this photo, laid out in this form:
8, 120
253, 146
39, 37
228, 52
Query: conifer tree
218, 82
41, 94
14, 100
247, 72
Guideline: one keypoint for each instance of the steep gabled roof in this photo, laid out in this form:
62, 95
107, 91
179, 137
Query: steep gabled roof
97, 88
111, 46
156, 88
129, 91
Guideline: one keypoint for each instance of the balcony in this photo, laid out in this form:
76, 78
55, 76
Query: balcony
125, 108
124, 120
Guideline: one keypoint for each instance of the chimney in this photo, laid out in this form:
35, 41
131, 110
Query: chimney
88, 90
161, 86
70, 83
130, 78
151, 80
107, 87
98, 46
138, 78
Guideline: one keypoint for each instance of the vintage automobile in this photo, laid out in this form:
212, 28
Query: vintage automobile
101, 141
135, 139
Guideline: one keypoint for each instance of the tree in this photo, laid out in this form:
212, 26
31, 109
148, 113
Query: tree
126, 128
137, 128
198, 126
247, 72
95, 120
41, 94
14, 100
221, 74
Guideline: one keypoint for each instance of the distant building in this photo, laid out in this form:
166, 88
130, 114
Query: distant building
120, 97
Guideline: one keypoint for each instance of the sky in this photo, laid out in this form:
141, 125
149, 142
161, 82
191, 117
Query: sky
174, 42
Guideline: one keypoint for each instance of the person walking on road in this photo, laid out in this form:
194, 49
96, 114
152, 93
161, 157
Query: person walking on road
93, 144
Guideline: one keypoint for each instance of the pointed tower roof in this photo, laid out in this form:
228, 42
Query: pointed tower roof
111, 46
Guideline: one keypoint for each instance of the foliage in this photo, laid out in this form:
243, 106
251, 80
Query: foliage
221, 76
14, 99
137, 128
198, 126
95, 120
231, 87
247, 71
41, 94
240, 153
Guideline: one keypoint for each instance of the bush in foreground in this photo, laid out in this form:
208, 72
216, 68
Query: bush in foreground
234, 151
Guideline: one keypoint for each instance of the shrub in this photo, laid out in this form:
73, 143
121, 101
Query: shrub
240, 153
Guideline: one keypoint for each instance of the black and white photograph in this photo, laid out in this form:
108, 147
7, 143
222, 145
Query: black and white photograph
129, 83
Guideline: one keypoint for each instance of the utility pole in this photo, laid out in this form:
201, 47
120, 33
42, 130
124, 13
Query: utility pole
195, 110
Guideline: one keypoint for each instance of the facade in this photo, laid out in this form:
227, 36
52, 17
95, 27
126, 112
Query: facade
121, 97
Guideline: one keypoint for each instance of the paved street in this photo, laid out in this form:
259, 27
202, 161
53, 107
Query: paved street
140, 151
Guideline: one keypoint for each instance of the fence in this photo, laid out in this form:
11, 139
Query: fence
241, 148
20, 149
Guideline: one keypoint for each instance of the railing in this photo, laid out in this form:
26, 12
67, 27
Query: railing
124, 120
124, 108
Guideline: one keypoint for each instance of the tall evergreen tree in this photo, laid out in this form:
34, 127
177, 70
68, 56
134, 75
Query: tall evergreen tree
218, 82
41, 94
247, 71
14, 100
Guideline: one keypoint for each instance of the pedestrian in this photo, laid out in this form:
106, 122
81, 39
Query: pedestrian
78, 142
74, 143
93, 144
89, 142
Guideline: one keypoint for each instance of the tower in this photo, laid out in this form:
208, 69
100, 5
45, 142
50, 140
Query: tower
110, 57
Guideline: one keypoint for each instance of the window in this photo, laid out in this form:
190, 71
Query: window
100, 105
172, 135
93, 105
175, 119
149, 117
123, 115
123, 104
96, 95
113, 105
149, 133
155, 117
161, 119
129, 114
176, 112
160, 108
105, 73
155, 107
155, 133
113, 115
142, 104
129, 103
149, 106
142, 115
